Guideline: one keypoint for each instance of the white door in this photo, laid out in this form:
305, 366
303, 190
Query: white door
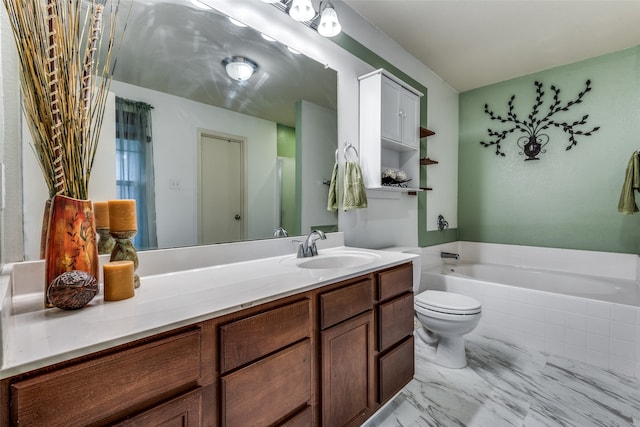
221, 189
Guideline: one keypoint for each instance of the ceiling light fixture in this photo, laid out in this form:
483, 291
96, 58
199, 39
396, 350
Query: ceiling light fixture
325, 21
329, 24
302, 10
239, 68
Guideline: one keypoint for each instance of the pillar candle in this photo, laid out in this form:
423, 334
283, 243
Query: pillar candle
118, 280
122, 215
101, 212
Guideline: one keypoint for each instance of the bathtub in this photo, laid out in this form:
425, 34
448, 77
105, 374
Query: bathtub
620, 291
591, 318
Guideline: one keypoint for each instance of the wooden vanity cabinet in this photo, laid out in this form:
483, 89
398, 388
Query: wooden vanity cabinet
330, 356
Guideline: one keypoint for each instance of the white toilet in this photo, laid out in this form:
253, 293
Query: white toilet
445, 318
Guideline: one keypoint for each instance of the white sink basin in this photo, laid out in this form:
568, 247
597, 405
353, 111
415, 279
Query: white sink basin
340, 260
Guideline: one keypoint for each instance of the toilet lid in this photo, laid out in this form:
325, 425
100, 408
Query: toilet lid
448, 302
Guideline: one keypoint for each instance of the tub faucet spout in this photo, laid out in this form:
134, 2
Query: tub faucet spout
449, 255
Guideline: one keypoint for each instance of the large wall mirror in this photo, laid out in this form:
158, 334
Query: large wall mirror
232, 160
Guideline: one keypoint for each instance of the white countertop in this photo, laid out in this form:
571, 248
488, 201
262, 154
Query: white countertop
38, 337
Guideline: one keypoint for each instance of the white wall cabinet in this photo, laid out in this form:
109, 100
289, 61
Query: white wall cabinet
389, 130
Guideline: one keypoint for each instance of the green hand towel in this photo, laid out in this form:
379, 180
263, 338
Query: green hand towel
627, 204
332, 202
355, 195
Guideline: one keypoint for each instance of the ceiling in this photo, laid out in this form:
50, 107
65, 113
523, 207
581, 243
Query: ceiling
174, 47
474, 43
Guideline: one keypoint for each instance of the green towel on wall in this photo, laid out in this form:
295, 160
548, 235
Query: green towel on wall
627, 204
332, 201
355, 195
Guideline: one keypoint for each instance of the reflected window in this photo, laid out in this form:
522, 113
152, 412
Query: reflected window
134, 166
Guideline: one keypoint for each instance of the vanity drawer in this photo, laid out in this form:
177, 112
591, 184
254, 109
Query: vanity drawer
251, 338
395, 281
395, 320
304, 418
91, 391
344, 303
268, 390
184, 410
395, 369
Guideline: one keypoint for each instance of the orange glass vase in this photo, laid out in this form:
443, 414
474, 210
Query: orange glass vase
71, 240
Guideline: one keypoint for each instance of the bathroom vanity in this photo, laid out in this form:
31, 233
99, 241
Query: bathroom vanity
328, 351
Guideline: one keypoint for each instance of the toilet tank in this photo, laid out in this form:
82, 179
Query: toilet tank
417, 262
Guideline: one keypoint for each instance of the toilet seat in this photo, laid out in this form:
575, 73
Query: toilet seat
447, 302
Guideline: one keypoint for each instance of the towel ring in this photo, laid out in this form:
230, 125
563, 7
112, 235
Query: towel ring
348, 146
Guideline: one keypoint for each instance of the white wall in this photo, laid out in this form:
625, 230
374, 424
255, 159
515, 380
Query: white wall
176, 122
316, 128
387, 221
102, 183
442, 116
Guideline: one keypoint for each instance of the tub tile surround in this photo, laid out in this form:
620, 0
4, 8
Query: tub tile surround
603, 334
508, 385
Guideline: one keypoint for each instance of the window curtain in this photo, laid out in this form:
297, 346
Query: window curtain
134, 166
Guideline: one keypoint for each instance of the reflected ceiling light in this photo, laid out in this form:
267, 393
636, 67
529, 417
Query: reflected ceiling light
329, 24
200, 5
271, 1
302, 10
292, 50
236, 22
239, 68
267, 38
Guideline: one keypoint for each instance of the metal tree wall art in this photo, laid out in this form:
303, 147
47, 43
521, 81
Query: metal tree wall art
534, 140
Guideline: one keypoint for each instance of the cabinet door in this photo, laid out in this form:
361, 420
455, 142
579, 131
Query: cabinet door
390, 110
410, 109
347, 372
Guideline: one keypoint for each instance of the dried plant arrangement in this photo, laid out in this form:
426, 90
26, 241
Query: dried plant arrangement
65, 79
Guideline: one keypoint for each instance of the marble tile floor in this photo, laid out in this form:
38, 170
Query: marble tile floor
505, 385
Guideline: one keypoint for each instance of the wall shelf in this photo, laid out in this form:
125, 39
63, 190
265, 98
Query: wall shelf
424, 132
427, 161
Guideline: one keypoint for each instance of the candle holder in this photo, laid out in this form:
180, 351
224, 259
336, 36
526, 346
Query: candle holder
123, 250
106, 241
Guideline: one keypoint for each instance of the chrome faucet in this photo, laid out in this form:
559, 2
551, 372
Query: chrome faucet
280, 232
449, 255
308, 247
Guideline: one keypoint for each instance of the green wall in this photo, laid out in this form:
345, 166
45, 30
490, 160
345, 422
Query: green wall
567, 199
286, 150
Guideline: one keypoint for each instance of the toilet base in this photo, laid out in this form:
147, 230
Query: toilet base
447, 351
